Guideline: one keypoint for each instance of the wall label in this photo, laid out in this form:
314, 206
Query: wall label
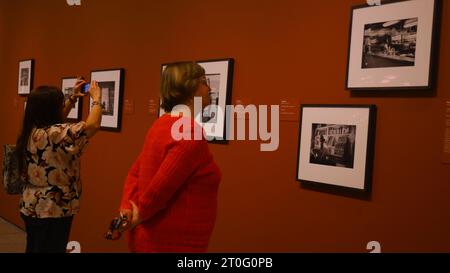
289, 110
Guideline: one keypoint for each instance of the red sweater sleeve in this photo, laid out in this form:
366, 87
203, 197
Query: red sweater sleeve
131, 186
180, 162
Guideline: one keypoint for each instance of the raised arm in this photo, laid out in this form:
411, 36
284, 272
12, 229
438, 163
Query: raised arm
68, 104
95, 115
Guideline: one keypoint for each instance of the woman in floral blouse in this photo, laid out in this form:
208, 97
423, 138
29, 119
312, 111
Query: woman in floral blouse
49, 151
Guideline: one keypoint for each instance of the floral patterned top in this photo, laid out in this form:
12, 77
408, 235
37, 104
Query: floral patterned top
53, 160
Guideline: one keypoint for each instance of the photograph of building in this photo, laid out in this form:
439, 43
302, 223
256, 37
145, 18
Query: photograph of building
390, 44
333, 145
108, 97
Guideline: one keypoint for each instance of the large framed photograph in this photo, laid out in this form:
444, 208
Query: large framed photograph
67, 88
26, 75
336, 146
214, 118
393, 46
111, 85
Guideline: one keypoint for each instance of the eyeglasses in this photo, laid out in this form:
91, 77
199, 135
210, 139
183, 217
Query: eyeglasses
206, 81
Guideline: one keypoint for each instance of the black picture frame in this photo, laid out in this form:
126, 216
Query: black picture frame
25, 77
112, 109
336, 146
223, 71
76, 113
405, 57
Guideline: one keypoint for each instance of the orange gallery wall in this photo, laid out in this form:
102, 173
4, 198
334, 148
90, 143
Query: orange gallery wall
295, 50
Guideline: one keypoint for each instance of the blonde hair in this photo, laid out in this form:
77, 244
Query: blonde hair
179, 82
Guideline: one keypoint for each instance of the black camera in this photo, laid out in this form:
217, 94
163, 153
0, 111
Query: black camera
113, 232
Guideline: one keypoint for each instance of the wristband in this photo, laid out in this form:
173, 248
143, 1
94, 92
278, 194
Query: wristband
96, 103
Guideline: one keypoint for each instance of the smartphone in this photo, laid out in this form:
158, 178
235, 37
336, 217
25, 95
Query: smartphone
85, 87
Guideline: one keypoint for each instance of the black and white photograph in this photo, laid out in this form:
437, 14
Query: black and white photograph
392, 46
24, 76
210, 111
333, 145
26, 73
111, 86
214, 119
107, 97
67, 86
336, 145
68, 91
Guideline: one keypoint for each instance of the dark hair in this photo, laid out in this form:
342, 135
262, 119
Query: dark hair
44, 108
179, 81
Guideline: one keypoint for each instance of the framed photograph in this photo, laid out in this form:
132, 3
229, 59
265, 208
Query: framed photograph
111, 85
393, 46
26, 75
336, 145
214, 117
67, 87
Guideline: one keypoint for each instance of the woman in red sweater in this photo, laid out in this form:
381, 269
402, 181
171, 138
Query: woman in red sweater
170, 193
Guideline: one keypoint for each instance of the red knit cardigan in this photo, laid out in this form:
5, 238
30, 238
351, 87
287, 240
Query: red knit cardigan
175, 186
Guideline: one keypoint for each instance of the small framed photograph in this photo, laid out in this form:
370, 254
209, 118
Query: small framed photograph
393, 46
26, 75
336, 146
214, 118
67, 88
111, 85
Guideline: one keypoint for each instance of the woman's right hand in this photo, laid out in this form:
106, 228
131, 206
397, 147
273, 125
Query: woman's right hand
77, 93
136, 219
95, 92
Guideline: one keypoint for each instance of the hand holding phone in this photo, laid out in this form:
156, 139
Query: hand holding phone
85, 87
79, 88
94, 91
